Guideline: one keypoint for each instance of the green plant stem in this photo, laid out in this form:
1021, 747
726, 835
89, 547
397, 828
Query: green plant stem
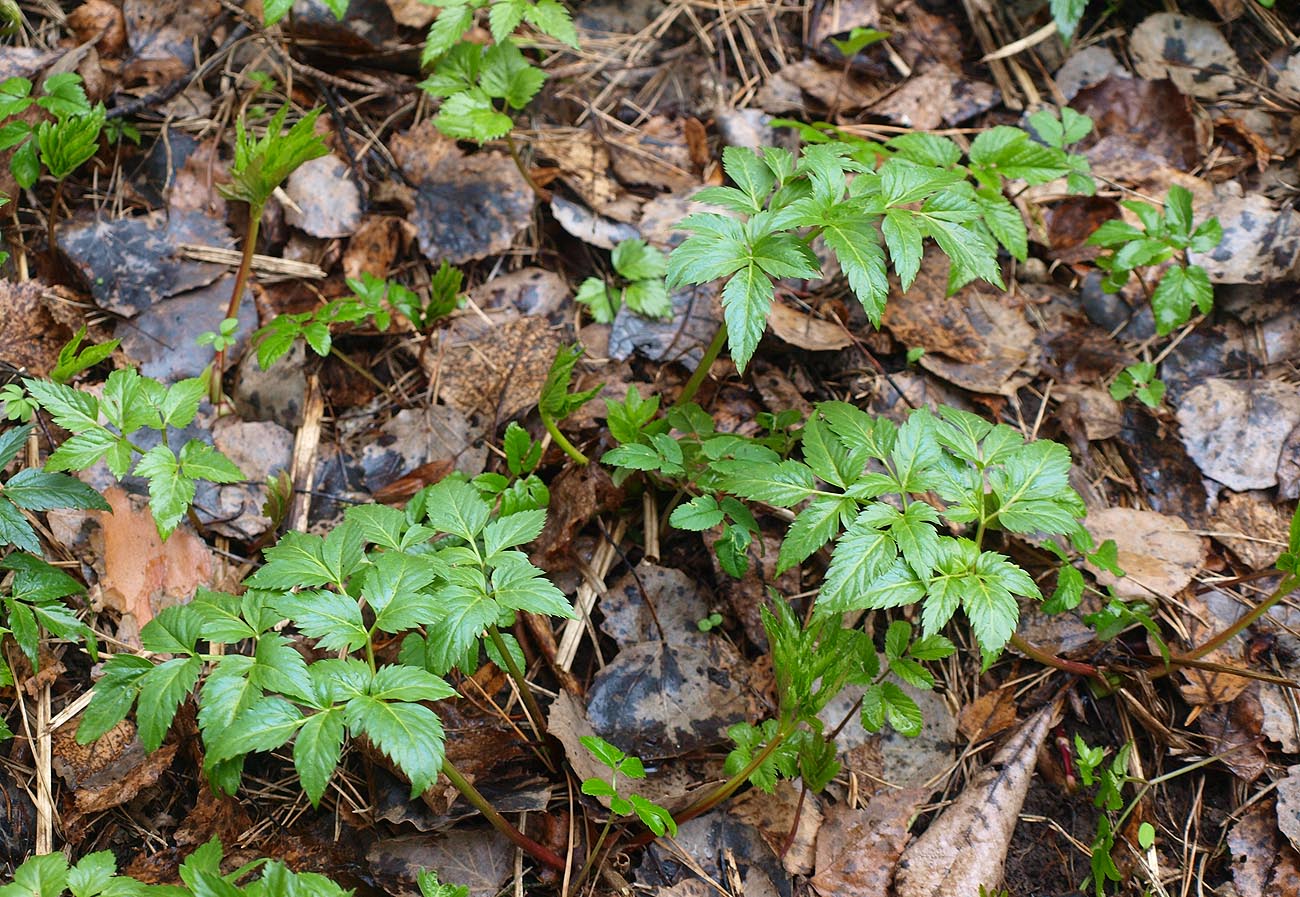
1284, 588
237, 295
592, 854
710, 355
562, 442
535, 715
363, 373
537, 851
726, 789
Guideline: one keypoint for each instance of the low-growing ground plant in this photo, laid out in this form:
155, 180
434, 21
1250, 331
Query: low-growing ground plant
640, 270
446, 577
1166, 236
852, 195
60, 144
108, 428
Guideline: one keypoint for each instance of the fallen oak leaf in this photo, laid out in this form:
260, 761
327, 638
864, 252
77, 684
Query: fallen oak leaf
966, 847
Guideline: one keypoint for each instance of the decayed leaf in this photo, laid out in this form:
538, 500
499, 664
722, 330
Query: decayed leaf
1235, 731
1288, 806
498, 377
965, 848
131, 263
989, 714
779, 814
466, 207
936, 97
1234, 429
141, 573
376, 244
656, 154
327, 196
1202, 686
481, 860
1261, 241
1263, 866
1153, 115
660, 699
970, 339
1189, 51
1263, 525
857, 850
654, 601
801, 329
30, 338
110, 771
1158, 553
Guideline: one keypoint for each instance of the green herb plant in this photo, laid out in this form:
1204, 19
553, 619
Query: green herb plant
260, 166
275, 10
61, 144
445, 577
520, 489
640, 270
886, 499
482, 87
851, 195
33, 489
32, 599
95, 875
1166, 235
73, 359
679, 453
445, 296
557, 402
654, 817
1139, 380
106, 427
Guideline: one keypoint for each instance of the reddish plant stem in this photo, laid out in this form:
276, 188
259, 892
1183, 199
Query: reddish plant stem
537, 851
236, 296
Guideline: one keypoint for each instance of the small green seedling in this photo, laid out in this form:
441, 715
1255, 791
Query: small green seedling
367, 302
709, 623
655, 817
640, 286
103, 426
445, 297
557, 403
73, 359
858, 40
1140, 380
222, 338
427, 879
523, 489
1166, 235
480, 87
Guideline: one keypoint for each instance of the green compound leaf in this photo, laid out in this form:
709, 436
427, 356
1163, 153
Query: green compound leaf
411, 735
316, 752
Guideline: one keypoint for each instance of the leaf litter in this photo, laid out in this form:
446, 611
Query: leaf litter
1198, 489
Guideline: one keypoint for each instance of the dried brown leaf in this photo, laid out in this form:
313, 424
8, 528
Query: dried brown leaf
965, 848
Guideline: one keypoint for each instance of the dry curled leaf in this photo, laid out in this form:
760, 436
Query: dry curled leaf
966, 847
